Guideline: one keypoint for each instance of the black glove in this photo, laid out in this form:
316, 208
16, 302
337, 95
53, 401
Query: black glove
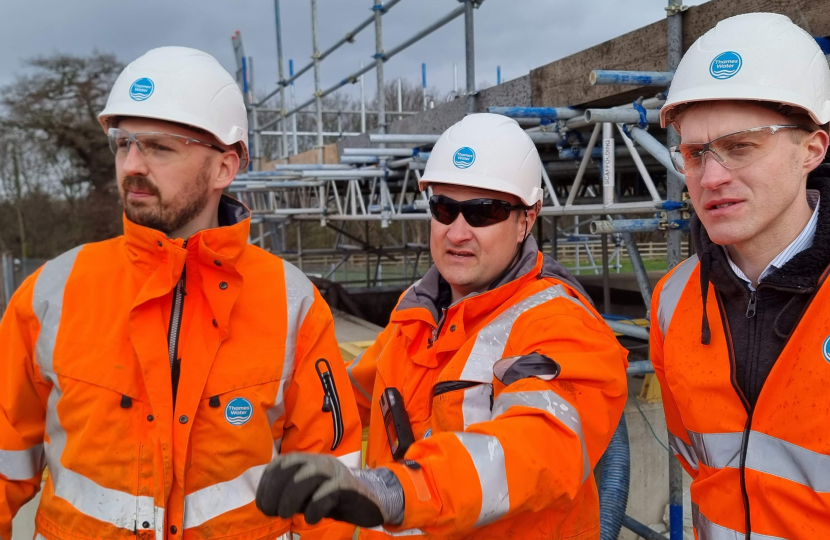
320, 486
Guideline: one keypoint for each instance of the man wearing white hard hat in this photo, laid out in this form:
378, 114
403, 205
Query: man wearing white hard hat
495, 388
740, 335
157, 374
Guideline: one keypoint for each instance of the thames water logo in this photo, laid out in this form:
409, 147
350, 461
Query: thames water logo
238, 411
464, 157
726, 65
142, 89
825, 348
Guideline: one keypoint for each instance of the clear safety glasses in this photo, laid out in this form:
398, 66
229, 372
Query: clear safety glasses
157, 148
732, 151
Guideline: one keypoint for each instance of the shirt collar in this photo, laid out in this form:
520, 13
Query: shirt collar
803, 241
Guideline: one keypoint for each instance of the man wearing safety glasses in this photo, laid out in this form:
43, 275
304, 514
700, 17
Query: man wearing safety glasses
740, 333
157, 373
495, 388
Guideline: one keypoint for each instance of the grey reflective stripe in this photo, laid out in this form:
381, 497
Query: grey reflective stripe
553, 404
766, 454
786, 460
683, 450
672, 289
350, 460
299, 296
47, 304
406, 532
22, 464
475, 407
492, 339
108, 505
708, 530
488, 458
717, 450
356, 384
213, 501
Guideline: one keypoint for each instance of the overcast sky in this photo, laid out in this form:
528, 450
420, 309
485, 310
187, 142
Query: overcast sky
517, 35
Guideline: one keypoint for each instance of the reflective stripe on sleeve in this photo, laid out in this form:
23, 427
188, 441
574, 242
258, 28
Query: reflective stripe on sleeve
22, 464
554, 405
488, 458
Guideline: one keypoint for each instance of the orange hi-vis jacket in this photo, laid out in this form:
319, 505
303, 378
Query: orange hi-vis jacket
764, 471
86, 348
513, 395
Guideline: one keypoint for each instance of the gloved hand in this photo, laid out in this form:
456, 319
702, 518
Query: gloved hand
320, 486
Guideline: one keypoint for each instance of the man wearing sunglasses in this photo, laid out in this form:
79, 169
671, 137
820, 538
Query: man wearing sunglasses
157, 374
740, 334
495, 388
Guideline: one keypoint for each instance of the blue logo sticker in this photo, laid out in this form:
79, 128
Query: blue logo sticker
428, 434
825, 349
464, 157
726, 65
238, 411
142, 89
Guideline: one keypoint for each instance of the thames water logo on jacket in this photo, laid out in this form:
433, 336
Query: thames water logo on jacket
464, 157
238, 411
825, 348
142, 89
725, 65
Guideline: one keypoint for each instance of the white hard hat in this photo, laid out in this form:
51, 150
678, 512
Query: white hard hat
755, 56
182, 85
487, 151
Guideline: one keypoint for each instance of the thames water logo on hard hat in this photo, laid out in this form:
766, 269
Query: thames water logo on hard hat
238, 411
464, 157
726, 65
825, 348
142, 89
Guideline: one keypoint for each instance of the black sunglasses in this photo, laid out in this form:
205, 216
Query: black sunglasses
477, 212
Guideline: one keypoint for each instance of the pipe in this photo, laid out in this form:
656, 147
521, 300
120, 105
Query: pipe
608, 173
280, 75
539, 137
635, 225
270, 133
638, 528
632, 78
620, 116
317, 97
578, 152
656, 149
378, 63
595, 209
394, 152
639, 270
470, 54
293, 102
547, 113
309, 166
639, 367
358, 160
630, 330
355, 173
349, 37
615, 476
674, 188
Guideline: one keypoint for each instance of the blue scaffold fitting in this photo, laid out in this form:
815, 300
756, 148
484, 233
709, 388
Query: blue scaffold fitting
379, 56
638, 106
671, 205
379, 7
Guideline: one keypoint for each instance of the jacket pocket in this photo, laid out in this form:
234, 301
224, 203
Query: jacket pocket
458, 404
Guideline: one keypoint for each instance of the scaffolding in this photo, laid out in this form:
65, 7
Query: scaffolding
607, 169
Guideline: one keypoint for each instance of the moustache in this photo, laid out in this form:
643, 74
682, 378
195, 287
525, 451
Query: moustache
140, 183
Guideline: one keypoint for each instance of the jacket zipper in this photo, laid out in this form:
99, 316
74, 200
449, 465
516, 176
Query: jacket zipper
747, 406
176, 322
750, 313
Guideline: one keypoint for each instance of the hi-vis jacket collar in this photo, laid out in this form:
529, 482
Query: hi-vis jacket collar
147, 248
423, 300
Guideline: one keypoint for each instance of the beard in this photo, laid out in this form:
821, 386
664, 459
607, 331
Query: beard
160, 213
